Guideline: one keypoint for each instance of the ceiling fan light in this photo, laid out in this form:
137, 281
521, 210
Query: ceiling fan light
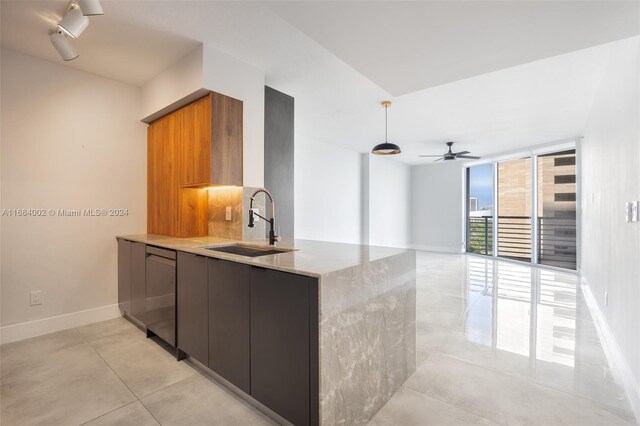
73, 23
386, 149
90, 7
63, 46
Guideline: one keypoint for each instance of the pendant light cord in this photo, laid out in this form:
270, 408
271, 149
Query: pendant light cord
385, 123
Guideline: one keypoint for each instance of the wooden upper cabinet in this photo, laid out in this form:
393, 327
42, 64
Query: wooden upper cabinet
226, 134
196, 146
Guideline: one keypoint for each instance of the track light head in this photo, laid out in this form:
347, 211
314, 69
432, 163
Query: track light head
90, 7
63, 46
74, 22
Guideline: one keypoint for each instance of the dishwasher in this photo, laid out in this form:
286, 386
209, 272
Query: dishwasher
160, 298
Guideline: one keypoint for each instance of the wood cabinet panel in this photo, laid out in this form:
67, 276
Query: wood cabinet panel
193, 306
226, 134
162, 178
229, 323
195, 142
195, 146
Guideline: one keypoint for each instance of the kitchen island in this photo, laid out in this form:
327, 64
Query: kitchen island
362, 319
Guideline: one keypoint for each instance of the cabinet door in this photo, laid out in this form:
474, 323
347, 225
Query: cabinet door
138, 280
280, 354
124, 277
229, 335
193, 307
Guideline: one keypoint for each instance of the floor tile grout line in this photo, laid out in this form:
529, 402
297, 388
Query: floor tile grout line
454, 406
149, 411
108, 412
114, 371
531, 382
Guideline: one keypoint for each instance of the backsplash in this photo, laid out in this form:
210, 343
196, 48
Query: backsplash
236, 228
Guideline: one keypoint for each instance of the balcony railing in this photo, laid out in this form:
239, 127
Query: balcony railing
556, 239
480, 235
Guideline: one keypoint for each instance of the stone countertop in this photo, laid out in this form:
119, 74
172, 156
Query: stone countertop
310, 258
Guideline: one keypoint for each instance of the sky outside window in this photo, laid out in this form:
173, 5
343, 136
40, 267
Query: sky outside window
481, 185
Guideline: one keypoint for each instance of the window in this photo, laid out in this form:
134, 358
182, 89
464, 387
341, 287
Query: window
564, 179
565, 196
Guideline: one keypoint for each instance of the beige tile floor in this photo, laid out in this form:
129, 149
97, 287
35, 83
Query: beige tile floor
498, 343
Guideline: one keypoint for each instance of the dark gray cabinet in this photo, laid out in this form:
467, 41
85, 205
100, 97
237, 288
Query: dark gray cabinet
193, 306
131, 280
138, 281
229, 322
124, 277
281, 343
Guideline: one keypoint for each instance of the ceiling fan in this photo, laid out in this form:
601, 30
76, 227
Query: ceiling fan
451, 155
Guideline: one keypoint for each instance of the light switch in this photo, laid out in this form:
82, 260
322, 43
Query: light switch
634, 211
627, 212
228, 213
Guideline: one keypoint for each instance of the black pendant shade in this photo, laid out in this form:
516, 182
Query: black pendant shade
386, 148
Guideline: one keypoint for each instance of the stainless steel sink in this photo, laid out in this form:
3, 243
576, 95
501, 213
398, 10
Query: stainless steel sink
249, 251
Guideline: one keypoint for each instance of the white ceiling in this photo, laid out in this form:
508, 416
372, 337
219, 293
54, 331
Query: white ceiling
110, 47
409, 46
527, 104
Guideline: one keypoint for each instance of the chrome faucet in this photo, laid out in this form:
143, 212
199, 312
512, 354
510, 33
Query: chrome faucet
272, 235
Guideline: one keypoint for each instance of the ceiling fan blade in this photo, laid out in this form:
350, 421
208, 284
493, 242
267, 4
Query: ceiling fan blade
439, 159
429, 155
468, 156
462, 153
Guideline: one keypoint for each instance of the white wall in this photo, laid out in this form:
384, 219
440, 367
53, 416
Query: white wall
232, 77
208, 68
388, 186
327, 192
437, 207
70, 140
610, 176
179, 80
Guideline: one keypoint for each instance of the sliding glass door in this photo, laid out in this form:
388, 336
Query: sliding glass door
524, 209
557, 209
480, 197
514, 209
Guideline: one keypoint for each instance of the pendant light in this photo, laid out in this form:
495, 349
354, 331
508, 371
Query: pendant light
386, 148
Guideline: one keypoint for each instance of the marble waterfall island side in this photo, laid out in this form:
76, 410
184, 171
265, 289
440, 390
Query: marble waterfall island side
367, 336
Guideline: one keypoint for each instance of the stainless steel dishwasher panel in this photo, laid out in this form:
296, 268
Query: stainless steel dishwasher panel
161, 297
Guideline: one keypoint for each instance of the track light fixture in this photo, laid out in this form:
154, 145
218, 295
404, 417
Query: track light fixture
74, 22
63, 46
90, 7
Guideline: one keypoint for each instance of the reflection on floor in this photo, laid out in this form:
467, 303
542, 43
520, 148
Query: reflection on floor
498, 343
501, 342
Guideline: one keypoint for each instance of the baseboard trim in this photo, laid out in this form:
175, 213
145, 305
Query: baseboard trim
618, 364
26, 330
442, 249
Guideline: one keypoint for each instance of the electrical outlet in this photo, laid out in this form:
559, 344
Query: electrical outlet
606, 298
227, 214
35, 298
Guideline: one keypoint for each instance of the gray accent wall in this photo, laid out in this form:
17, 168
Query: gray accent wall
279, 156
